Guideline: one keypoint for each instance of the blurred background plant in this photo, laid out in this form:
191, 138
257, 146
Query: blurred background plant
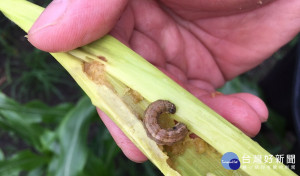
49, 127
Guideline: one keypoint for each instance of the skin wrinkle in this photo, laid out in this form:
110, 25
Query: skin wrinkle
177, 72
147, 48
123, 29
219, 80
165, 24
182, 43
213, 56
186, 25
170, 32
201, 84
215, 8
173, 55
153, 60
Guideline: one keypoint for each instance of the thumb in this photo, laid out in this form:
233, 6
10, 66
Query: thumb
68, 24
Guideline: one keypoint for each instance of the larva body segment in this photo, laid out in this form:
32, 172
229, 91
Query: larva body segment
159, 135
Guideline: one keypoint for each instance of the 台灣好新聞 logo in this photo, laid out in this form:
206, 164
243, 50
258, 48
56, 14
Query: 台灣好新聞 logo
230, 161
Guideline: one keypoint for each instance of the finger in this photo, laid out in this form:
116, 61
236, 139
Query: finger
68, 24
128, 148
242, 110
256, 103
236, 111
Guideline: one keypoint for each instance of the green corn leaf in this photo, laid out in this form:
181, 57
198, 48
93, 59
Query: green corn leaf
2, 157
25, 120
23, 161
20, 125
72, 136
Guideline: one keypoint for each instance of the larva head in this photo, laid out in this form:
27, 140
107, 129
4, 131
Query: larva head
171, 108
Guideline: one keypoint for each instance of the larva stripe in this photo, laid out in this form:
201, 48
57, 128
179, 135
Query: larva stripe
159, 135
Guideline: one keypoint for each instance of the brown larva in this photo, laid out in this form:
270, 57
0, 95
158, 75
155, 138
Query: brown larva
154, 131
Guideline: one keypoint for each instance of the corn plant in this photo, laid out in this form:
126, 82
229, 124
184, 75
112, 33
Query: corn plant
123, 84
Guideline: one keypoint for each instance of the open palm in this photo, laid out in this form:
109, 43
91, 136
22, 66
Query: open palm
200, 44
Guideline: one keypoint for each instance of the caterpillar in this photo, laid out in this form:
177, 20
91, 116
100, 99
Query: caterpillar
154, 131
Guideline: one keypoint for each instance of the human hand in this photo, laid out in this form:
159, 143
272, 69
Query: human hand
200, 44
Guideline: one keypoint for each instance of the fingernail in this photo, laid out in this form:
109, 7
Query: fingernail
50, 17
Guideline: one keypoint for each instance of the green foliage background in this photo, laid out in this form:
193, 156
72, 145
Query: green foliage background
66, 139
